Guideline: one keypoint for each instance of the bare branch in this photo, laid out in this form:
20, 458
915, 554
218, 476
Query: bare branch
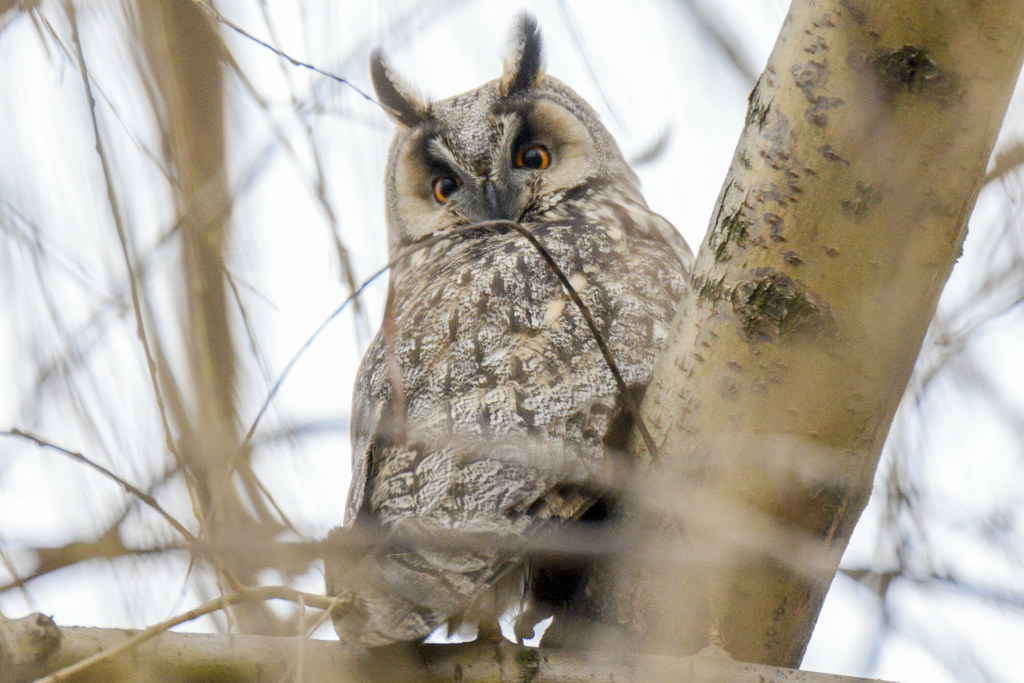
130, 488
143, 655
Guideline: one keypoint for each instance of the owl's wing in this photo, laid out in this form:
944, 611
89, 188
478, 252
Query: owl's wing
371, 426
668, 232
362, 456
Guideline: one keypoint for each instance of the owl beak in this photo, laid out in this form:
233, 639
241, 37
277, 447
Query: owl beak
491, 200
500, 202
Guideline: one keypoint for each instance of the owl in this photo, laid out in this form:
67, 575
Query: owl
485, 411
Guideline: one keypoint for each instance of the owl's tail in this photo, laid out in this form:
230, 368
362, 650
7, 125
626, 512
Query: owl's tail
409, 585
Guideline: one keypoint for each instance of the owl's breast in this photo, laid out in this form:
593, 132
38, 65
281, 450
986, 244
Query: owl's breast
501, 383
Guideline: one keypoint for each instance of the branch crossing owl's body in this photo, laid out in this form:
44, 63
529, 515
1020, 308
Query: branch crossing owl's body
484, 409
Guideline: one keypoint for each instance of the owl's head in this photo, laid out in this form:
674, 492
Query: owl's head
514, 148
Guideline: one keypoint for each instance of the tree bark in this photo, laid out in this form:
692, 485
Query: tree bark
844, 210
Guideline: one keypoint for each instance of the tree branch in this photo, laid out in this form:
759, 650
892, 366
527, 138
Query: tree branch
39, 647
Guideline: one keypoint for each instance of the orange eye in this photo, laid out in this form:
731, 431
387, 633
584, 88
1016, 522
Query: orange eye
445, 186
533, 156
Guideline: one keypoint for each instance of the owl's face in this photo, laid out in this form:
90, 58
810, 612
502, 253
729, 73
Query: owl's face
512, 149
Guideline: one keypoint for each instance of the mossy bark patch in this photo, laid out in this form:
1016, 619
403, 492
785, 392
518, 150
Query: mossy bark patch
771, 305
912, 70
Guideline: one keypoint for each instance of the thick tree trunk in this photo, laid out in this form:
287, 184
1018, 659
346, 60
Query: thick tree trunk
846, 205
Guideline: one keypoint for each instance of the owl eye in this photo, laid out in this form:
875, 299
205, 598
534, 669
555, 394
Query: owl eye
445, 186
533, 156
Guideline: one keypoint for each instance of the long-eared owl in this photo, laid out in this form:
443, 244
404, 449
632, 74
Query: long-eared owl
485, 409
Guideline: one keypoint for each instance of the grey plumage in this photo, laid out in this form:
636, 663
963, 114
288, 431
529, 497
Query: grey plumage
484, 409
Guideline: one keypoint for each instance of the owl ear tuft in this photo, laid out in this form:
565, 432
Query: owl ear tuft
401, 103
524, 65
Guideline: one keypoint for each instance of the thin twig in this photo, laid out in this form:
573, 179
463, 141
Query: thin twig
122, 233
259, 594
130, 488
302, 349
220, 18
18, 581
